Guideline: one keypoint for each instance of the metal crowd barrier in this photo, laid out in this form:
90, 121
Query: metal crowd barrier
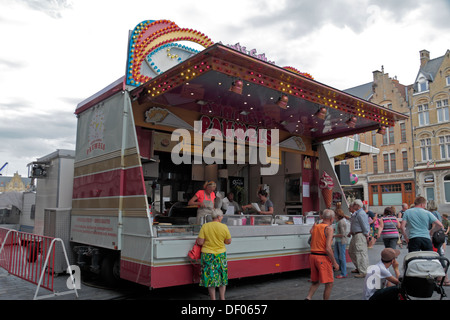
31, 257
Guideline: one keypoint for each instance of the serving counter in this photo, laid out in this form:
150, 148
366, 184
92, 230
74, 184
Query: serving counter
257, 249
244, 226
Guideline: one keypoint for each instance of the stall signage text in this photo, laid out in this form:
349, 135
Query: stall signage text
262, 119
251, 53
233, 129
221, 148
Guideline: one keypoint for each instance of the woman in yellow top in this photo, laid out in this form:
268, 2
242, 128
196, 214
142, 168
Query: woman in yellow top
213, 237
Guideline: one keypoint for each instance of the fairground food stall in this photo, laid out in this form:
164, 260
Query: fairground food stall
147, 143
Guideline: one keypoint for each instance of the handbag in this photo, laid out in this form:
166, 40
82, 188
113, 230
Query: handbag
399, 239
196, 252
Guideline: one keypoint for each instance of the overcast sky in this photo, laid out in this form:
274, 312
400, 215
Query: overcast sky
56, 53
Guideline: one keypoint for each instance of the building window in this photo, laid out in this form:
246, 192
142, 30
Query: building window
403, 132
388, 137
447, 80
391, 136
391, 187
386, 162
422, 85
391, 194
424, 116
374, 196
429, 178
447, 188
386, 194
405, 160
357, 163
389, 162
393, 162
374, 138
442, 110
429, 192
425, 148
375, 164
444, 145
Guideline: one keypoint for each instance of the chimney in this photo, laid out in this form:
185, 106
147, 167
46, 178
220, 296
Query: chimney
424, 57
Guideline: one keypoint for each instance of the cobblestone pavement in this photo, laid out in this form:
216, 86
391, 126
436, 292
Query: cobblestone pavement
287, 286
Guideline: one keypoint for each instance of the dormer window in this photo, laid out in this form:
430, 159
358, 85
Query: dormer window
422, 85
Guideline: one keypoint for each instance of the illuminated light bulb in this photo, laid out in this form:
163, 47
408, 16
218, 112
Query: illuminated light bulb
237, 86
321, 114
382, 130
351, 122
282, 101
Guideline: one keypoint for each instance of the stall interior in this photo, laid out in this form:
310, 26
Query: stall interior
169, 187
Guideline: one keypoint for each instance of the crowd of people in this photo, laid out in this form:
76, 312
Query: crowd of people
413, 227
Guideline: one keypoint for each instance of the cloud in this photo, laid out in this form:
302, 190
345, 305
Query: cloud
438, 13
35, 125
31, 135
72, 101
53, 8
9, 64
298, 18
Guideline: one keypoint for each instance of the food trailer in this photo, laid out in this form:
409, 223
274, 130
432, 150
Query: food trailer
181, 116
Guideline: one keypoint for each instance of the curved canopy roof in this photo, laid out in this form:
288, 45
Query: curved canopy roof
262, 94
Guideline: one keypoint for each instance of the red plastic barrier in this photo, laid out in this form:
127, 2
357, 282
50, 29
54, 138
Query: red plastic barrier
24, 254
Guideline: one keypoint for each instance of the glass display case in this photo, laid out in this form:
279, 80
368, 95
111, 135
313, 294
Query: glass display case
308, 219
168, 230
247, 220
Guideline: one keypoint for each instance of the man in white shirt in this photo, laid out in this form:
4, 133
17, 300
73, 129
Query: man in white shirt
380, 284
229, 201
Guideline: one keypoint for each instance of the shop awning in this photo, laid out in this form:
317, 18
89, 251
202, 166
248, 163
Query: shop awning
346, 148
235, 86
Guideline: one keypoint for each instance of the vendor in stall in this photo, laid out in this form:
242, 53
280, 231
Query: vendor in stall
265, 205
204, 199
230, 202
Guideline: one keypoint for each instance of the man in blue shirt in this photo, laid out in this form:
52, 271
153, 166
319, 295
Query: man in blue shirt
417, 220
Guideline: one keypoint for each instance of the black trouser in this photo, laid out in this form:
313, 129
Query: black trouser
420, 244
389, 293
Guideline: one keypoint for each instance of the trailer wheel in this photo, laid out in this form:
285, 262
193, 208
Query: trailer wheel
110, 270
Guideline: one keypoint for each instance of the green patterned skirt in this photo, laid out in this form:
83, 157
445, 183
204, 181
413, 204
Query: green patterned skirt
214, 270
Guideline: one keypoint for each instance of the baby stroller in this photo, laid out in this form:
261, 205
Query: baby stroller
424, 273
